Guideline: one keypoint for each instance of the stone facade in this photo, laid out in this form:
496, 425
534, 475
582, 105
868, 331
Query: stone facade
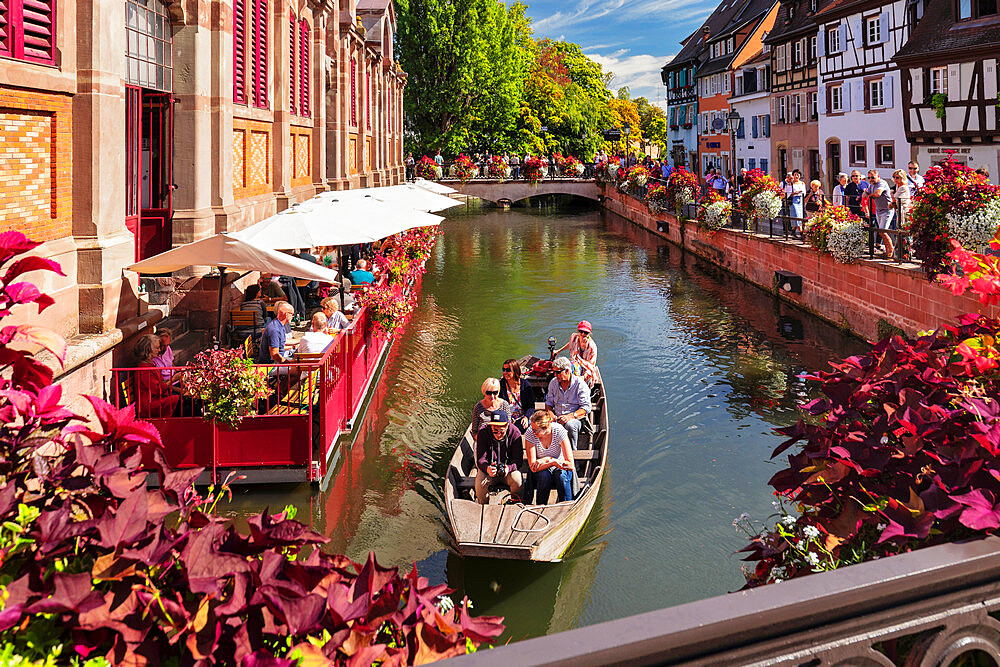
151, 123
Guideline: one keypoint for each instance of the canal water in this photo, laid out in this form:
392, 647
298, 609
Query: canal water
699, 369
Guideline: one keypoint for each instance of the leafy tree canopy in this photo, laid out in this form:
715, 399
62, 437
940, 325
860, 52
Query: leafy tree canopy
479, 81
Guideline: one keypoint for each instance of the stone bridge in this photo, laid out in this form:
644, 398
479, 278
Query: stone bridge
512, 191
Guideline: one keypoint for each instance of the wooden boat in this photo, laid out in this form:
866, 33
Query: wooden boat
519, 531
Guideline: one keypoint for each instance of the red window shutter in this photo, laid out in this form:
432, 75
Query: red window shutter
304, 71
5, 27
260, 59
354, 93
239, 51
37, 37
292, 94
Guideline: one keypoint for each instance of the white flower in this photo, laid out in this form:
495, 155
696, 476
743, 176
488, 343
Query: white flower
812, 558
775, 504
884, 440
977, 228
880, 527
717, 214
779, 574
445, 603
766, 205
847, 241
812, 532
788, 520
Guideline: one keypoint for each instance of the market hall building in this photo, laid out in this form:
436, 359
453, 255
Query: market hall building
130, 126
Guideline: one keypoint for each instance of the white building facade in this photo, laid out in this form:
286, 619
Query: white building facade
860, 93
751, 100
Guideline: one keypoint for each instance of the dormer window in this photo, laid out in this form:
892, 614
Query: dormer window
974, 9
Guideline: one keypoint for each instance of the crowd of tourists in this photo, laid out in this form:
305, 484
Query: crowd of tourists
882, 201
530, 450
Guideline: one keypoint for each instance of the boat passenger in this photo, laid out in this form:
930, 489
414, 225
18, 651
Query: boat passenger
499, 455
569, 399
491, 402
335, 320
317, 339
583, 351
549, 457
516, 390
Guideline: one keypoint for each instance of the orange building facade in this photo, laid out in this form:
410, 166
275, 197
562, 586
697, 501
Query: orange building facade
732, 35
131, 126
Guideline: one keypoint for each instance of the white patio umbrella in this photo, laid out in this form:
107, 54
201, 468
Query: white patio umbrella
434, 186
406, 194
226, 251
335, 220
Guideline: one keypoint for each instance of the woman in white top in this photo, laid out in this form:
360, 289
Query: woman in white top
839, 196
549, 457
902, 198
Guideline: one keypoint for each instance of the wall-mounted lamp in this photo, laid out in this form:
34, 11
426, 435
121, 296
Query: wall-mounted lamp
787, 281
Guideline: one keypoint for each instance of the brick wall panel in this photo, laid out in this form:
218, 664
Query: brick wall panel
36, 164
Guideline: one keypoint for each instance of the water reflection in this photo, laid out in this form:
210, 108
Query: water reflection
700, 367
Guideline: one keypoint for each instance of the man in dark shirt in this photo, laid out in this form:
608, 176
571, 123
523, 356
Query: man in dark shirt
499, 454
270, 291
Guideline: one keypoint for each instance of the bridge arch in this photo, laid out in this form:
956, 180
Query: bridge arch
515, 191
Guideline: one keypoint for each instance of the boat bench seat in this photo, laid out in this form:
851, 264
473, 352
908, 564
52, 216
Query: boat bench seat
469, 481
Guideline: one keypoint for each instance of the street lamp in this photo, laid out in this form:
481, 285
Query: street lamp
626, 128
734, 119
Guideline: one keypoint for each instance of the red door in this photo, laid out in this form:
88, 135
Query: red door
149, 169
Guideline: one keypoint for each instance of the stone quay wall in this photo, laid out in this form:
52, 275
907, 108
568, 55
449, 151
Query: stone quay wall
871, 298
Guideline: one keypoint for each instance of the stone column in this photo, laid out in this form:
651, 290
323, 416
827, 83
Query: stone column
281, 135
198, 160
104, 244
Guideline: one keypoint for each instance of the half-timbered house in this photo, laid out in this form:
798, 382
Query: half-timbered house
731, 35
678, 76
861, 124
950, 78
751, 99
794, 118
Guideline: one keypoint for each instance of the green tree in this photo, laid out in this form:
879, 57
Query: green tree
653, 123
466, 61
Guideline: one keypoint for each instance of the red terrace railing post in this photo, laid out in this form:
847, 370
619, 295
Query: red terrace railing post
215, 453
346, 376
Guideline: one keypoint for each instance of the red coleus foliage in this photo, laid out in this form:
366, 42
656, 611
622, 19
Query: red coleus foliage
95, 564
902, 451
952, 189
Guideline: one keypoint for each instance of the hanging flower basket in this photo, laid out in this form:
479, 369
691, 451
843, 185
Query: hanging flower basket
428, 169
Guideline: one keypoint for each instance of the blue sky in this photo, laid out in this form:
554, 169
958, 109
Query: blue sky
632, 38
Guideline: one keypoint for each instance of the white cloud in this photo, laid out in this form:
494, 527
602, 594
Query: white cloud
641, 73
588, 10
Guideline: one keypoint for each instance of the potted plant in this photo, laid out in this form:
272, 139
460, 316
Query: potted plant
227, 384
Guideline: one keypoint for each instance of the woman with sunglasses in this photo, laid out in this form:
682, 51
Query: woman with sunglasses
518, 393
491, 403
583, 352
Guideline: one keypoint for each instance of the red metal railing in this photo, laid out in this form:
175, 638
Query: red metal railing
312, 403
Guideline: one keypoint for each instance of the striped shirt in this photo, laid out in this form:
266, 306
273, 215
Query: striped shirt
555, 447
